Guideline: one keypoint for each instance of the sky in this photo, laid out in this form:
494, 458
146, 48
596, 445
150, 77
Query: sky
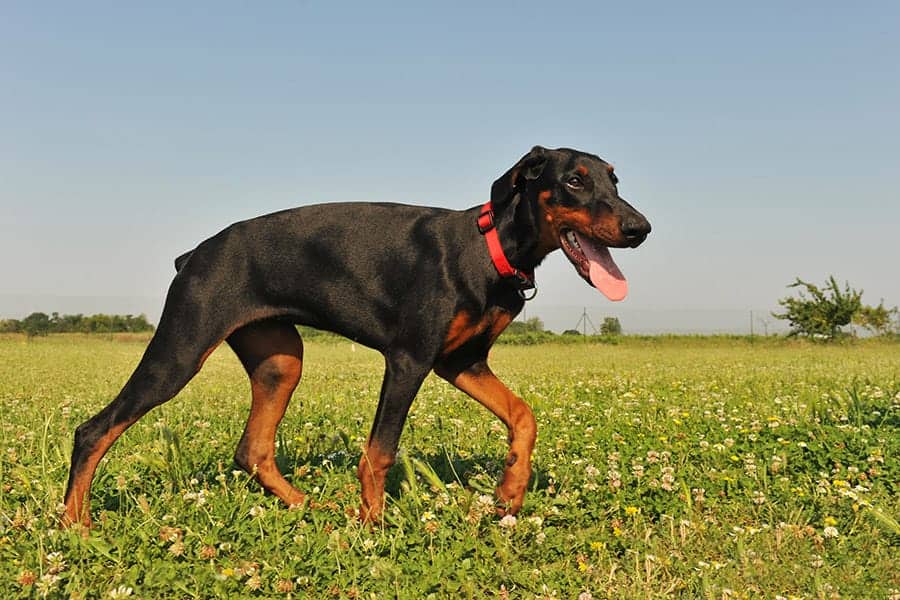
762, 140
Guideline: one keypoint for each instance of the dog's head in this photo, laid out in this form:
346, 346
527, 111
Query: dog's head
572, 200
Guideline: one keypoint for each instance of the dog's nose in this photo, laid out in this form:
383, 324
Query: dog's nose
634, 227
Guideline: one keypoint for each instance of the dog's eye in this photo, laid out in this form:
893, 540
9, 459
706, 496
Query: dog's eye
575, 182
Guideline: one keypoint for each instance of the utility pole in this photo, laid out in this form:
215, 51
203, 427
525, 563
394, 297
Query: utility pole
584, 321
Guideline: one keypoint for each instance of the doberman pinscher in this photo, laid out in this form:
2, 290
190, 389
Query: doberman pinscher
429, 288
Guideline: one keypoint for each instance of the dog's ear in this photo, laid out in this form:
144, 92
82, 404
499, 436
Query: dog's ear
513, 181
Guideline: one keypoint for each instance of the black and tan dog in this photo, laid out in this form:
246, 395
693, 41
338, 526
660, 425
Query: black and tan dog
429, 288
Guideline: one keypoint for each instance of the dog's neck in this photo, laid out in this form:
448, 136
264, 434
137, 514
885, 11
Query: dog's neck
521, 231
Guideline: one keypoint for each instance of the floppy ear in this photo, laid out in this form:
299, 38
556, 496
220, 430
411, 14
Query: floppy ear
513, 181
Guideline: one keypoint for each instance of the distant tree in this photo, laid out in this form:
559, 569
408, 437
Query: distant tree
99, 323
37, 323
139, 323
611, 326
571, 332
10, 326
820, 312
71, 323
878, 319
532, 325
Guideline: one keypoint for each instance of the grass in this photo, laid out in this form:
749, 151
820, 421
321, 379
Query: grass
691, 467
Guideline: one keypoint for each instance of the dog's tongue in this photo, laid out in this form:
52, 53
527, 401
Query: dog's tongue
604, 274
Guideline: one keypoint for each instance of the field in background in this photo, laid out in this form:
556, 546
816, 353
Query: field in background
710, 468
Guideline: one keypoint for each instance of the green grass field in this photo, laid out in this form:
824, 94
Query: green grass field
696, 468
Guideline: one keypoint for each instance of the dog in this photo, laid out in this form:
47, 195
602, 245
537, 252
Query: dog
429, 288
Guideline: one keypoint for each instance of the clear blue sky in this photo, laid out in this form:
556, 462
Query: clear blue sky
761, 139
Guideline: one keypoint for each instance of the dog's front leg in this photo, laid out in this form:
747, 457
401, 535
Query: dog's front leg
402, 378
479, 382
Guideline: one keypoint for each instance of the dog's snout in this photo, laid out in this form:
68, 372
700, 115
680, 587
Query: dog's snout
635, 227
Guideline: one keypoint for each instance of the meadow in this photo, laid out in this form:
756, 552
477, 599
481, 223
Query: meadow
681, 467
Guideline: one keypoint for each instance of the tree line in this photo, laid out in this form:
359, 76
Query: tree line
39, 323
821, 313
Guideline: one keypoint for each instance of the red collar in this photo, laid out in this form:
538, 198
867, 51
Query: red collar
522, 280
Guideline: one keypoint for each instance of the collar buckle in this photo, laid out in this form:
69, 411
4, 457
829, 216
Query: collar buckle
524, 283
485, 220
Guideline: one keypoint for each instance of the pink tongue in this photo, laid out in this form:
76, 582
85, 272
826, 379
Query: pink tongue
604, 274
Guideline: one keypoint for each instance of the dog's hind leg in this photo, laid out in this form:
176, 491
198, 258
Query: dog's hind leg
272, 354
189, 330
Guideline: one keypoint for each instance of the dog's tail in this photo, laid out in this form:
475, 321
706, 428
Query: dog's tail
179, 262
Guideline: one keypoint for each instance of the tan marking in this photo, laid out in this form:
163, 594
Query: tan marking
581, 170
460, 331
501, 322
373, 467
604, 228
78, 502
464, 327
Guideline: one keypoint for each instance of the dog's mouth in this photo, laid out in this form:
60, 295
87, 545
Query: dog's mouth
594, 263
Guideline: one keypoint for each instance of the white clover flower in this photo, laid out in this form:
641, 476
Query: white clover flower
257, 511
668, 479
537, 522
830, 532
47, 583
508, 522
484, 501
56, 563
120, 592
